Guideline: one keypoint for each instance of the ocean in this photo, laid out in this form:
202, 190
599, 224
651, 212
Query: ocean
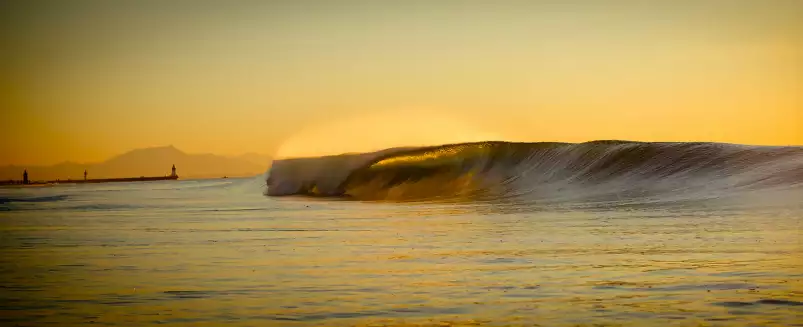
482, 234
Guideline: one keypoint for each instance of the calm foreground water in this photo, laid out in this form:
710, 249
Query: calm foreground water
219, 252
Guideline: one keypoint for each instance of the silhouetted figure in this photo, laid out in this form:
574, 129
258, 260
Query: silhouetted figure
173, 174
25, 177
84, 175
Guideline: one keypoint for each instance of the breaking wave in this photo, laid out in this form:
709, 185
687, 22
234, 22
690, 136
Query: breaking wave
545, 172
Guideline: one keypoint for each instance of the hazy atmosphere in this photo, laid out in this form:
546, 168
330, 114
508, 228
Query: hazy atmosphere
404, 163
87, 80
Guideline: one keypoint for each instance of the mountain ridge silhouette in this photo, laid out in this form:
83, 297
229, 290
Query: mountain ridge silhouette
152, 161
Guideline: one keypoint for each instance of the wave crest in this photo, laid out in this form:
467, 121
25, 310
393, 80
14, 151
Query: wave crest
592, 171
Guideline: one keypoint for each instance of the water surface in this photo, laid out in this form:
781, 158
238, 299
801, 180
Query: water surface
215, 252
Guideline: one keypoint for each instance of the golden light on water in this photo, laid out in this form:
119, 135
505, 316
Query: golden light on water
550, 234
421, 158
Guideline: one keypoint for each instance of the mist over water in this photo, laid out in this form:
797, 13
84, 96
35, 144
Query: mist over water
489, 233
419, 173
382, 129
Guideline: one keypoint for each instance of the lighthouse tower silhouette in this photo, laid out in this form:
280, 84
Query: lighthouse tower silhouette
173, 173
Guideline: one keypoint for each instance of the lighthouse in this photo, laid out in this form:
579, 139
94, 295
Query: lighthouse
173, 172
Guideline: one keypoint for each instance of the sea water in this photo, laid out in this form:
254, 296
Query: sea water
220, 252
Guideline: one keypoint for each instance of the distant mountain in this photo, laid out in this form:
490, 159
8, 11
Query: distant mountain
149, 162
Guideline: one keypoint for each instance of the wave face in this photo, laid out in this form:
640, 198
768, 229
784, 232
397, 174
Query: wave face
545, 172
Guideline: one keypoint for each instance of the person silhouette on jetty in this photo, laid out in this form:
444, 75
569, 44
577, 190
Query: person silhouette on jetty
25, 177
84, 175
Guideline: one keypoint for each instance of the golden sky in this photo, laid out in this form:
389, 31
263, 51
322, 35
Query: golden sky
85, 80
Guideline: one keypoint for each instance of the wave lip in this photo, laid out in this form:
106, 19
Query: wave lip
544, 171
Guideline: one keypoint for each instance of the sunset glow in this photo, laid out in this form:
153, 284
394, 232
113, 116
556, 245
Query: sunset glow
250, 77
